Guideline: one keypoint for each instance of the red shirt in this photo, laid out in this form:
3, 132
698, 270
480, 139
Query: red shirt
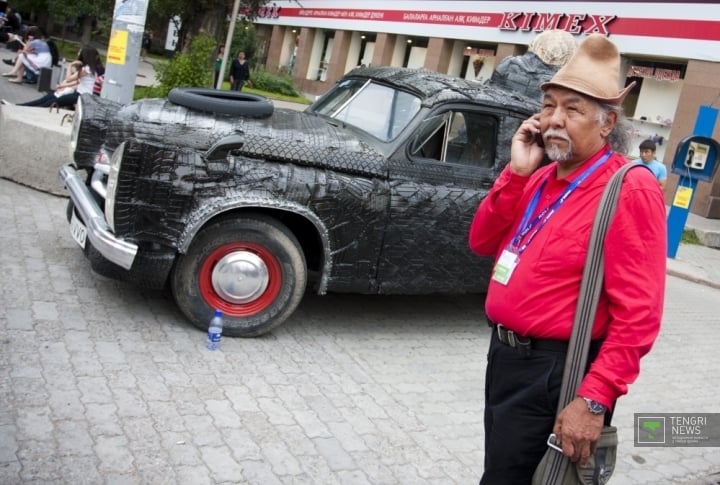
540, 298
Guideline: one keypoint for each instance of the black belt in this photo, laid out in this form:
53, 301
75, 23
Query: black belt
526, 344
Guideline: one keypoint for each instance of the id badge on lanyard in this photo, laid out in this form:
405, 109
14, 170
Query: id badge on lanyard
510, 257
505, 265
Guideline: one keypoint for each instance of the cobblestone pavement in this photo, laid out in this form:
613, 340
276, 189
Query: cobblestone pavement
103, 383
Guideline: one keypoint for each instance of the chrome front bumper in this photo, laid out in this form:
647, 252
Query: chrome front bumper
101, 237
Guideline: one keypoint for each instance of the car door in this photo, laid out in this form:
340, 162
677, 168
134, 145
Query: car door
436, 183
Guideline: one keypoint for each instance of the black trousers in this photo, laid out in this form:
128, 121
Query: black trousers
521, 396
49, 99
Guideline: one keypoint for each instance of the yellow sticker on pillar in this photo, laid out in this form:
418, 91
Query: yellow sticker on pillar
117, 49
682, 197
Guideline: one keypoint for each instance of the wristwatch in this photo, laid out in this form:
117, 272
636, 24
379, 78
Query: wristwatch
594, 406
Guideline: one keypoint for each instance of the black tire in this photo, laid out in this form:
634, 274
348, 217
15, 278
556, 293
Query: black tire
223, 102
216, 273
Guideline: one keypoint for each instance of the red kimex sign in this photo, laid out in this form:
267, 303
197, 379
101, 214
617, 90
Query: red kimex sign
577, 24
572, 23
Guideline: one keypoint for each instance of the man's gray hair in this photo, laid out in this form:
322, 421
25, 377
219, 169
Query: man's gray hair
619, 137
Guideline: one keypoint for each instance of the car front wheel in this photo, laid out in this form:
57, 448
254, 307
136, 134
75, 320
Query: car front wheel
252, 269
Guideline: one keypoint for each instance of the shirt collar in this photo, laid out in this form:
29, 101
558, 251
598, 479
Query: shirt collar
587, 163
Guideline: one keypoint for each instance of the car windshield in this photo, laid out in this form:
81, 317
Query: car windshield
379, 110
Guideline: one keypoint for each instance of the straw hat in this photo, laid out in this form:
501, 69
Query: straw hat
594, 70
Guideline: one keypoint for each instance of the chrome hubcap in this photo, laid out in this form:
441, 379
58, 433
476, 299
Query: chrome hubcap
240, 277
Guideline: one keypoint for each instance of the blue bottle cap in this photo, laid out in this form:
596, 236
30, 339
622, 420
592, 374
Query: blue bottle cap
218, 313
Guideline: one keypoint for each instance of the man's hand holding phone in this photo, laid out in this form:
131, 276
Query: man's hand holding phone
527, 149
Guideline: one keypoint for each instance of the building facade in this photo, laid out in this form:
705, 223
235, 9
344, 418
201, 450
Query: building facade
671, 49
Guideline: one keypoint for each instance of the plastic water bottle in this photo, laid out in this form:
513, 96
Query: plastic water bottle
215, 331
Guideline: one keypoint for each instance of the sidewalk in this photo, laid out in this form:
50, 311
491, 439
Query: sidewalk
145, 74
699, 263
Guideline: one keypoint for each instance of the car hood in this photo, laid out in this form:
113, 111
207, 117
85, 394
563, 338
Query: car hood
287, 135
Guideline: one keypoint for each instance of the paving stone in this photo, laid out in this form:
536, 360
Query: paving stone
335, 455
223, 467
103, 383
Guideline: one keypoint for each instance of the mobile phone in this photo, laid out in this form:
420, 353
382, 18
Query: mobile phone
552, 442
539, 140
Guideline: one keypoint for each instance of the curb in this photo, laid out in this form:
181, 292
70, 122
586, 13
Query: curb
692, 279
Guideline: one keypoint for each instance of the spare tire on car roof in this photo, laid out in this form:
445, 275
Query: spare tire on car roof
223, 102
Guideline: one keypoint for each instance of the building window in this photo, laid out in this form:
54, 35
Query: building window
418, 43
654, 97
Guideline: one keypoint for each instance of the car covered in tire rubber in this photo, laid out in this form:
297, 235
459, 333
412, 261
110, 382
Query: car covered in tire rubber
237, 205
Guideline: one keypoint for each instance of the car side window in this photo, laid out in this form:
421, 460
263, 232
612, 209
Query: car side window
472, 139
462, 137
430, 137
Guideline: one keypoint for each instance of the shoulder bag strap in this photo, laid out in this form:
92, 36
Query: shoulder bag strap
579, 345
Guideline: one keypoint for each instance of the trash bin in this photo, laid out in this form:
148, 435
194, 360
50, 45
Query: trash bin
44, 79
49, 78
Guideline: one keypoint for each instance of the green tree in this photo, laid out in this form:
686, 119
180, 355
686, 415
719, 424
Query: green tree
187, 69
203, 15
244, 39
49, 12
197, 15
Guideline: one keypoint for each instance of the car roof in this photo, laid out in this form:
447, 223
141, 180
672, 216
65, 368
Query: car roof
436, 88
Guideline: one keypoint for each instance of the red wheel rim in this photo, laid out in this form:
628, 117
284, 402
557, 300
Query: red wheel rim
231, 309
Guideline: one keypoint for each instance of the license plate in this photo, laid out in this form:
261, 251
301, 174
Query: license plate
78, 230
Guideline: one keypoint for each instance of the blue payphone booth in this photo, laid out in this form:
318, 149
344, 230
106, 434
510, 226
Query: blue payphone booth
696, 159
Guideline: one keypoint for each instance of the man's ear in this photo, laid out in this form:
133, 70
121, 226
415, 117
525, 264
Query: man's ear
610, 122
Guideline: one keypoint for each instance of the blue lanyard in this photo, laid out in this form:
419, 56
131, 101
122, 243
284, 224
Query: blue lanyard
541, 219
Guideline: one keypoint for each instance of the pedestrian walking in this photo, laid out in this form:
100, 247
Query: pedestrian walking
239, 72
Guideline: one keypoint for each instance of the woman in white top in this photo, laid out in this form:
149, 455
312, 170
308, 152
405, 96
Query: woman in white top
80, 79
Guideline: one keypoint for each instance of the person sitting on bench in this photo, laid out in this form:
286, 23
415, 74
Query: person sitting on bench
80, 79
34, 56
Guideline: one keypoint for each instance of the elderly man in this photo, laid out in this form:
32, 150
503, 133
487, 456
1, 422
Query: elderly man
536, 221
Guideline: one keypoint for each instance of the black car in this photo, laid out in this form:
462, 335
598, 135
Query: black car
240, 206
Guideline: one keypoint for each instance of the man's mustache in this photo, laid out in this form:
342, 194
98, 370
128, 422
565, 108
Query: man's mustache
555, 134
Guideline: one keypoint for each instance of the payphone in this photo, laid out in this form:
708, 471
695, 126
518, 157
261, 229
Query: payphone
696, 159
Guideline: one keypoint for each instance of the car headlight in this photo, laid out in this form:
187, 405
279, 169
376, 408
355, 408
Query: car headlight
75, 130
112, 184
101, 169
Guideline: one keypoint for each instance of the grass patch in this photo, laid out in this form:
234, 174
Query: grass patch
280, 97
67, 49
271, 95
689, 237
